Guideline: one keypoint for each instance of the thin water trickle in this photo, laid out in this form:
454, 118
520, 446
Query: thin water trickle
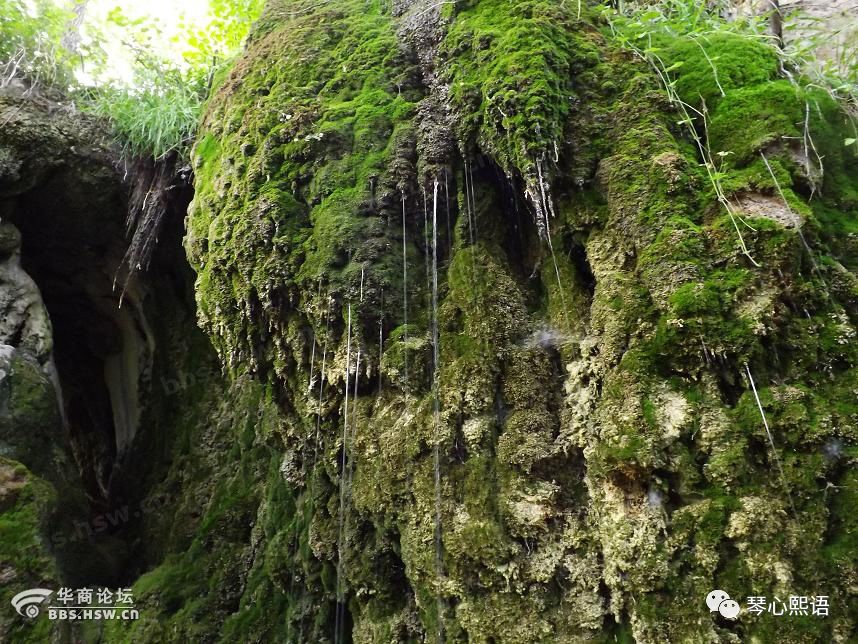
405, 293
426, 243
309, 507
339, 620
357, 365
472, 234
310, 382
471, 215
447, 200
380, 338
798, 228
322, 377
436, 411
547, 209
771, 439
350, 466
354, 396
473, 201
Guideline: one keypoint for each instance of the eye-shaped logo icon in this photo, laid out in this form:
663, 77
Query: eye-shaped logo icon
720, 602
28, 602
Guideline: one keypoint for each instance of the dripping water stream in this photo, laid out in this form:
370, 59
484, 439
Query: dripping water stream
405, 295
436, 414
473, 200
471, 214
775, 457
310, 382
308, 507
322, 378
426, 243
548, 212
472, 235
380, 340
347, 464
351, 460
339, 623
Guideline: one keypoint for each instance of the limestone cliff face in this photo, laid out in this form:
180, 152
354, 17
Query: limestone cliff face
558, 440
485, 357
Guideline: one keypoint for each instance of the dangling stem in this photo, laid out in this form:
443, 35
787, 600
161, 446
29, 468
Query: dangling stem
797, 227
771, 439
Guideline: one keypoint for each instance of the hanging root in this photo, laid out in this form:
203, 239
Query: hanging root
150, 201
538, 193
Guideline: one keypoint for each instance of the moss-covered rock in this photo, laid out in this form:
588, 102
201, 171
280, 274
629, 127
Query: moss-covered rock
586, 459
26, 560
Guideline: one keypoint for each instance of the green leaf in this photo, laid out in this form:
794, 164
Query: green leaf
849, 142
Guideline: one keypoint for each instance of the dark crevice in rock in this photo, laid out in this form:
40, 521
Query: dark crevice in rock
72, 237
109, 388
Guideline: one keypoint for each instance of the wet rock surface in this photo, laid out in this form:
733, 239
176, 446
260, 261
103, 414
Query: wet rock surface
559, 440
598, 452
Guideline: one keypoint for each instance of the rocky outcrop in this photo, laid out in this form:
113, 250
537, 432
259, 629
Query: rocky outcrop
30, 425
76, 368
25, 320
568, 446
486, 359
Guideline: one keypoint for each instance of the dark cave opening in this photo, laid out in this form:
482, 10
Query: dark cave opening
520, 241
72, 223
576, 253
71, 235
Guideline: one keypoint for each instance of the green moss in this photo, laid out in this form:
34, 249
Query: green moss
744, 122
341, 108
407, 359
526, 439
26, 503
602, 475
512, 69
481, 318
525, 379
730, 60
192, 591
474, 535
841, 549
507, 617
30, 423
